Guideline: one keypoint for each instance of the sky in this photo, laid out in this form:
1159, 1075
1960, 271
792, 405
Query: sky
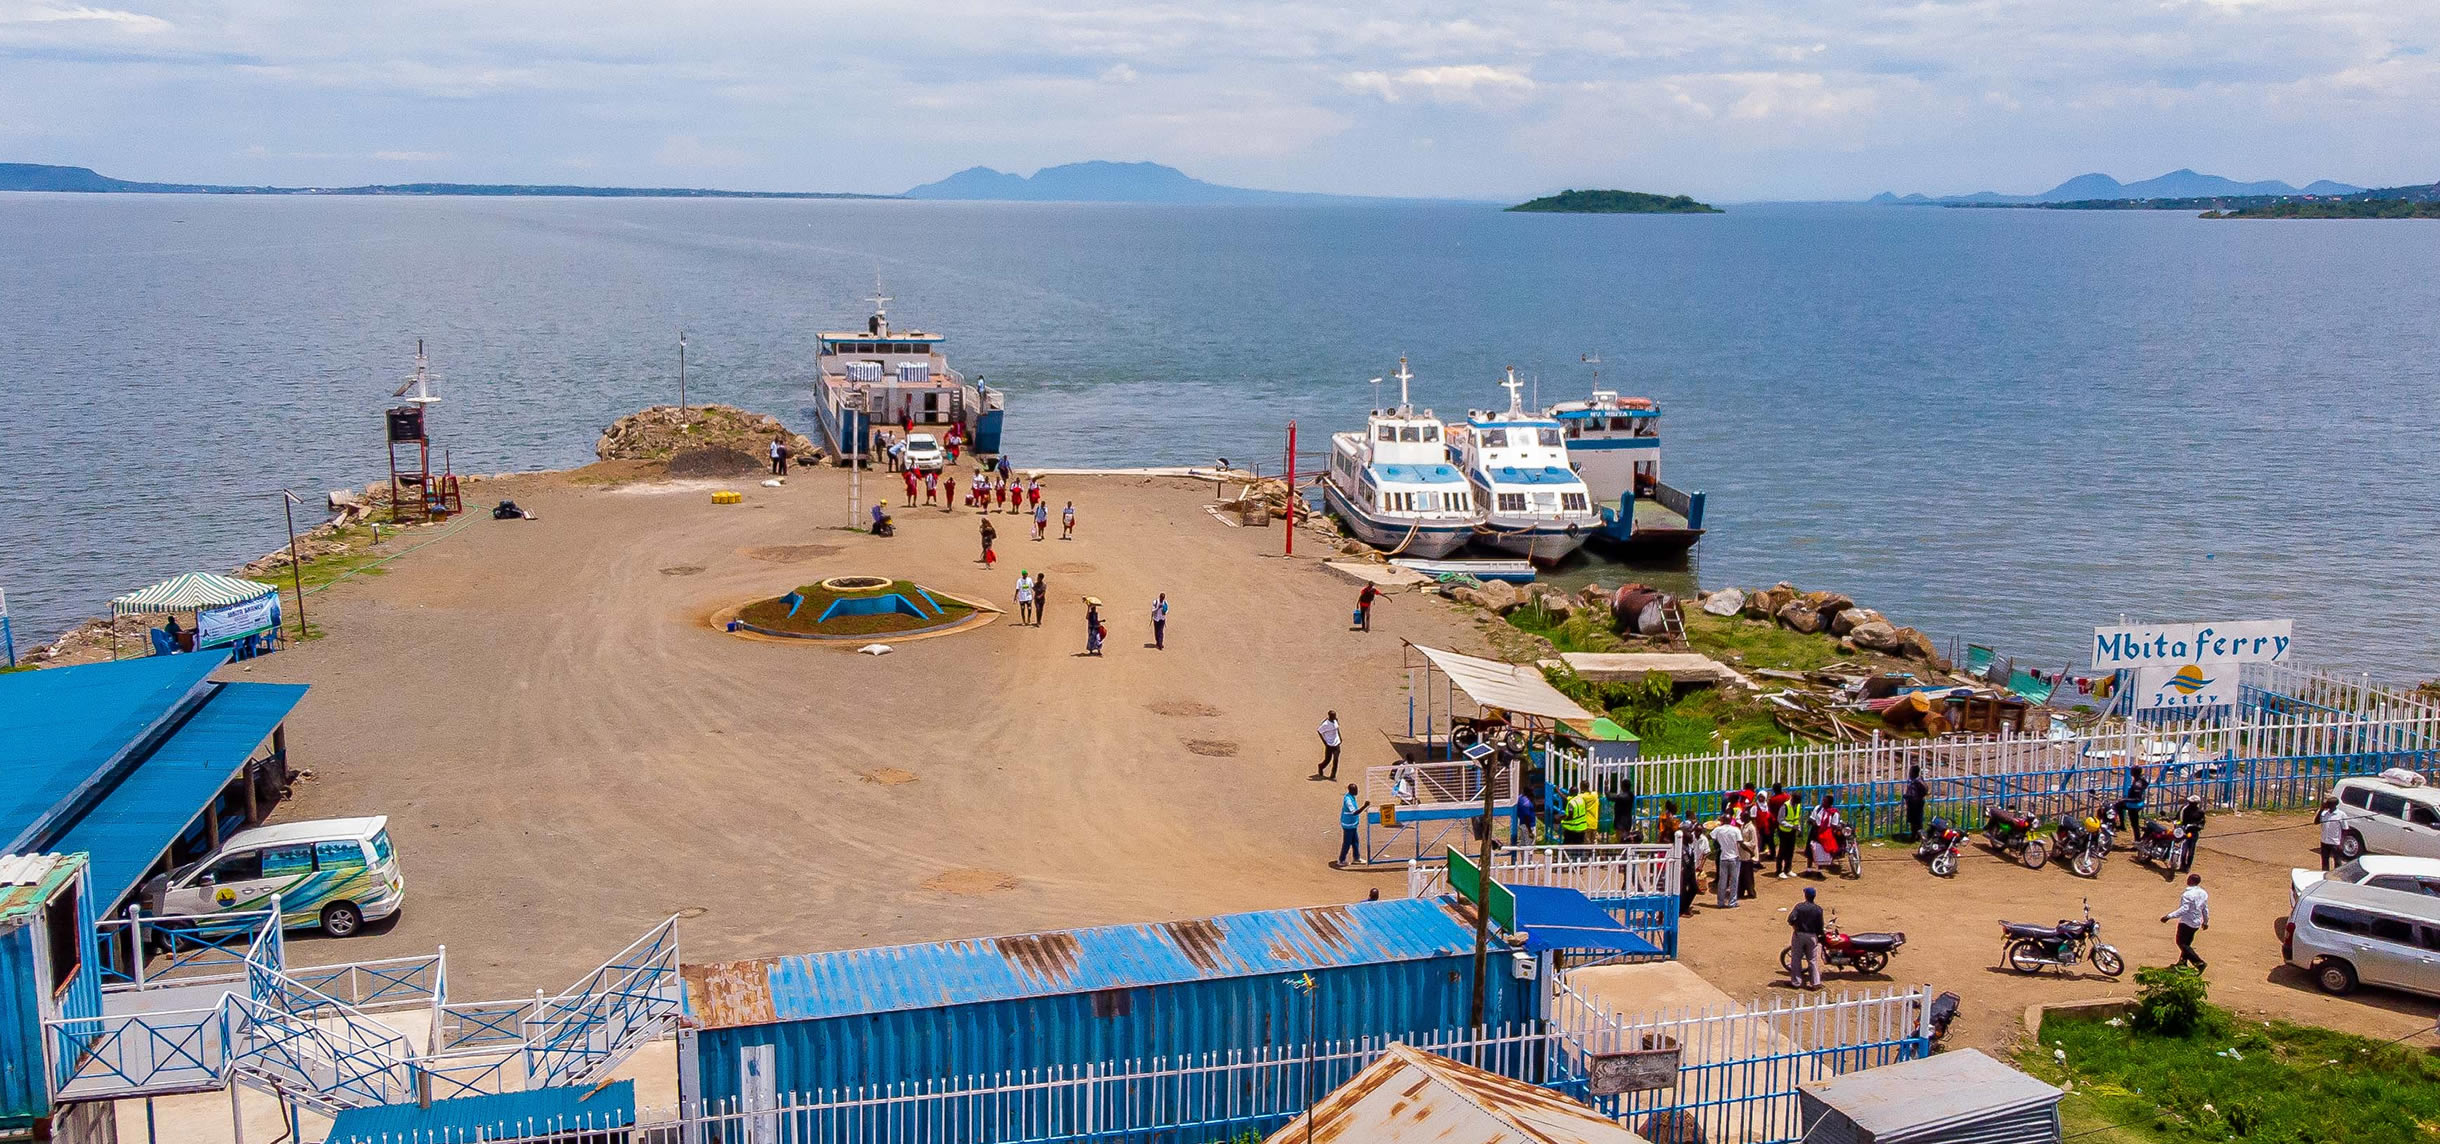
1732, 100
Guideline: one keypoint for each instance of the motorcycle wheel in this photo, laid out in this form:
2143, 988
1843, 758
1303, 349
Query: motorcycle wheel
2087, 863
2026, 957
1853, 864
1787, 961
1945, 866
2108, 962
2035, 855
1871, 962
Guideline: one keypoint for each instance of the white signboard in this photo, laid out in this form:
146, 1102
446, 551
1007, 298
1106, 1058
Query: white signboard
2187, 685
2176, 645
232, 622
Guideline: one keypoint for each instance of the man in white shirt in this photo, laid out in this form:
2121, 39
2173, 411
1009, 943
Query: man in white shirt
2193, 914
2333, 833
1329, 731
1730, 841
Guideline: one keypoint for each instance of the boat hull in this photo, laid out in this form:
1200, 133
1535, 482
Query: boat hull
1544, 545
1389, 534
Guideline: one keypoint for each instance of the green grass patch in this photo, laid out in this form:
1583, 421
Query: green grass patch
773, 614
1760, 643
2264, 1082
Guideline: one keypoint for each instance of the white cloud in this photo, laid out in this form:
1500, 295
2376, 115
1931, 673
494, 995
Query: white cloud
1118, 73
24, 13
1448, 83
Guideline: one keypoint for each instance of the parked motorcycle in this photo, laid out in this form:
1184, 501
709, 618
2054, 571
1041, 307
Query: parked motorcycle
1862, 952
2027, 948
1849, 861
2082, 842
2158, 841
2010, 831
1939, 846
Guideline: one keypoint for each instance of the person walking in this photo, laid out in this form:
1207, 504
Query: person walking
911, 480
1006, 469
1160, 619
1521, 820
1788, 829
2190, 828
1025, 597
1725, 840
1351, 816
1364, 605
1092, 626
779, 458
2192, 915
1329, 731
1042, 519
1918, 793
1583, 815
1805, 943
2130, 805
1067, 522
931, 487
2333, 832
1033, 494
989, 534
1690, 860
1622, 809
1749, 839
1042, 597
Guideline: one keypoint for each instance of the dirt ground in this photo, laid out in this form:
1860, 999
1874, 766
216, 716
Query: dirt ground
568, 752
1952, 931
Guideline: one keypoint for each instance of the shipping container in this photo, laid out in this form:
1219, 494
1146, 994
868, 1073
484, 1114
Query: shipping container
987, 1006
47, 973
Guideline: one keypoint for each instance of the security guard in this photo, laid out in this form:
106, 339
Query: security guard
1583, 815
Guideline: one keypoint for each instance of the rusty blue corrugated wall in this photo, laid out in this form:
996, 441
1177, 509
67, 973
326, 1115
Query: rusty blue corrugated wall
26, 1000
1235, 1013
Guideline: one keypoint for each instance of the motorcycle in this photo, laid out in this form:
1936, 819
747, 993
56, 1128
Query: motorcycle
1862, 952
2158, 841
1939, 846
2010, 831
2083, 842
2027, 948
1849, 861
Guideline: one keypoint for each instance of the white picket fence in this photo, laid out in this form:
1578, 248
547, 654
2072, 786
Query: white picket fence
1598, 871
1436, 784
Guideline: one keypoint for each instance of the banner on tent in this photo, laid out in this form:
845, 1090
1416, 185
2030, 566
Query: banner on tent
2173, 646
2188, 685
232, 622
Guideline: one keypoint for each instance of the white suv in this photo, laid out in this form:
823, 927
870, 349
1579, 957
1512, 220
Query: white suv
923, 453
2385, 817
2345, 935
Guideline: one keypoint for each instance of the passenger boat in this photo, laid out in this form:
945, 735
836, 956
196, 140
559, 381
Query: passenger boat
1615, 444
884, 378
1534, 504
1393, 485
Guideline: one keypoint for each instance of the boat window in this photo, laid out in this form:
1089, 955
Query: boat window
1551, 437
1495, 438
1512, 502
1389, 433
1573, 502
1431, 432
1575, 429
1618, 424
1409, 433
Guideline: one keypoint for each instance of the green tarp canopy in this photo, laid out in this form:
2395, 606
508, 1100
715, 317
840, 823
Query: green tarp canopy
191, 592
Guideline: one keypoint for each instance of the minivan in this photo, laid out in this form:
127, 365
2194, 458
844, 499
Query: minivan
335, 873
2345, 935
2386, 817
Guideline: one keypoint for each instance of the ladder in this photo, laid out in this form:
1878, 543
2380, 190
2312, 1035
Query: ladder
1673, 621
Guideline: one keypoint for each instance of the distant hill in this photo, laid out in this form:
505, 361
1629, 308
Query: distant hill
1614, 202
40, 177
1100, 181
2179, 184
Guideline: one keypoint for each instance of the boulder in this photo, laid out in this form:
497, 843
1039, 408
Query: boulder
1796, 617
1499, 595
1915, 645
1593, 595
1560, 606
1827, 603
1766, 603
1850, 619
1465, 595
1725, 602
1876, 635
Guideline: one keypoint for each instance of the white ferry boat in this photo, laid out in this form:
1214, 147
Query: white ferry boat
1534, 503
882, 378
1393, 485
1615, 444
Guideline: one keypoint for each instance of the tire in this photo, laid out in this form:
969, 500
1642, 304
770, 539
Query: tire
2035, 855
2350, 847
2086, 863
1787, 960
2334, 976
1945, 865
1853, 864
1871, 962
2025, 957
342, 919
2108, 962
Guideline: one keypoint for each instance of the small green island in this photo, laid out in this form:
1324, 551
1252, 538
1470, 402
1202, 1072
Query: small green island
1615, 202
2334, 208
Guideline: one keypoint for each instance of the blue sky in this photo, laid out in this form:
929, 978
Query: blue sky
1736, 99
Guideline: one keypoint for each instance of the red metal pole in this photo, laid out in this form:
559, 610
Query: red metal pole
1291, 487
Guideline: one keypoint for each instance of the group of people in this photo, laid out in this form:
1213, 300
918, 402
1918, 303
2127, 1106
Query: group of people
1033, 600
1751, 829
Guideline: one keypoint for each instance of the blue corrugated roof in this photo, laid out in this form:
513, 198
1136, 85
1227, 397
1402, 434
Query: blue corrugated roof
136, 822
1418, 474
493, 1116
813, 986
66, 729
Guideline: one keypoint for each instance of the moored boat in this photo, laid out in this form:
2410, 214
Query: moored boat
1615, 445
880, 378
1534, 504
1392, 485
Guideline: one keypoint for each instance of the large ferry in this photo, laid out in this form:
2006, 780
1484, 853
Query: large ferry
884, 378
1615, 443
1534, 504
1393, 485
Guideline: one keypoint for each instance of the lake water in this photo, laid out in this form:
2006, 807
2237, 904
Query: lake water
2002, 425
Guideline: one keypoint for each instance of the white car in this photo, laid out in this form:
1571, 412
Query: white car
923, 453
2384, 816
2379, 871
2346, 935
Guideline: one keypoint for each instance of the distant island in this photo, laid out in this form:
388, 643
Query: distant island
1614, 202
2096, 187
2340, 208
1101, 181
84, 180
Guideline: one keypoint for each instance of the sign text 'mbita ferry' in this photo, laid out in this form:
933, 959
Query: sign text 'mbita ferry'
2151, 645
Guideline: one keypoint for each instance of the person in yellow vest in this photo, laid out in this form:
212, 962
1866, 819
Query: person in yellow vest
1582, 816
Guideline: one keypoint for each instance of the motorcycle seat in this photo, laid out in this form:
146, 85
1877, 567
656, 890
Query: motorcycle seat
2026, 930
2010, 818
1875, 941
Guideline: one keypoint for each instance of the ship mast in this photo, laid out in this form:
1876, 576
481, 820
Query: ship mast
1516, 392
1405, 408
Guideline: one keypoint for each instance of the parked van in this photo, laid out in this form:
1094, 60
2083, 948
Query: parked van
2345, 935
2385, 816
2387, 871
336, 873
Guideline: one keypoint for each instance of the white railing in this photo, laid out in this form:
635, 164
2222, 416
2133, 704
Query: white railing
1599, 871
630, 999
206, 949
1436, 784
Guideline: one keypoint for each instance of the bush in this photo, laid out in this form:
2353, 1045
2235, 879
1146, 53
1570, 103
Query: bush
2172, 1002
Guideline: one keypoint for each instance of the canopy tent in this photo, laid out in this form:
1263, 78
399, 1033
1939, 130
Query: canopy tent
1516, 689
191, 592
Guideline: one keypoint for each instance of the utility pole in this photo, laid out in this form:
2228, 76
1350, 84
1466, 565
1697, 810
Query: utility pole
1291, 534
296, 567
681, 373
1492, 763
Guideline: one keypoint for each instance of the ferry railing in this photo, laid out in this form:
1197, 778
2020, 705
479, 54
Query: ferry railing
151, 951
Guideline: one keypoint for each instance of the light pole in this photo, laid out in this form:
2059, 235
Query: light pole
1499, 757
296, 568
681, 373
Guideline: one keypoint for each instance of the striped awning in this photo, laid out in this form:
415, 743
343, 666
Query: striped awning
190, 591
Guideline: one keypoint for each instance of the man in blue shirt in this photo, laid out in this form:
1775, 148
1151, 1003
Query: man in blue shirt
1351, 816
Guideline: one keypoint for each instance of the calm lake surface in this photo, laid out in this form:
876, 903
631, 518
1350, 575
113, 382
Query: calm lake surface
1996, 424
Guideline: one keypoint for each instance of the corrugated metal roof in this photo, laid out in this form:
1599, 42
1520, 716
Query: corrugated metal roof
1910, 1097
1409, 1096
493, 1116
135, 823
67, 729
1506, 686
26, 880
814, 986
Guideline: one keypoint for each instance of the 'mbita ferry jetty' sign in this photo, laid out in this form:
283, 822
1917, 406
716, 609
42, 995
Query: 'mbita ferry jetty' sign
2169, 645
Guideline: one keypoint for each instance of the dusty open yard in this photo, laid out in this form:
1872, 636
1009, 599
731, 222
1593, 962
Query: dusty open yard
568, 752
